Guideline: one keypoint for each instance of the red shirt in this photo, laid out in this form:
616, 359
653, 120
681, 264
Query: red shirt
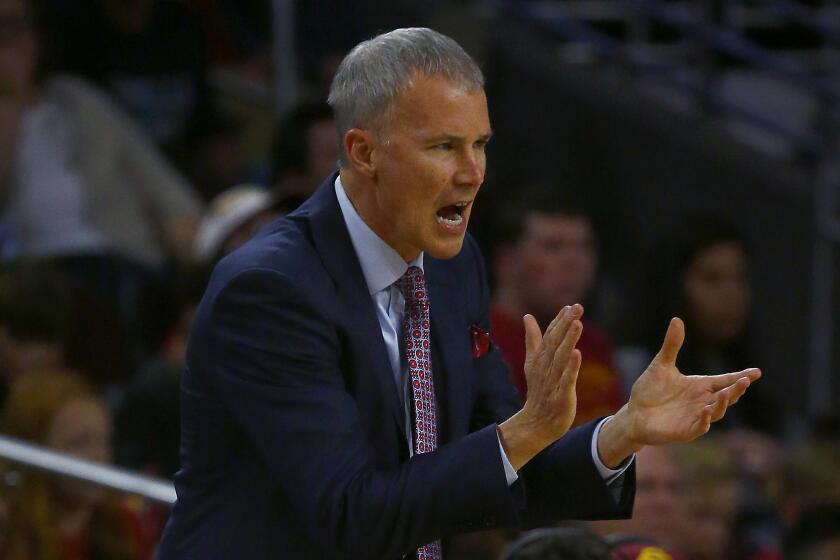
141, 523
599, 390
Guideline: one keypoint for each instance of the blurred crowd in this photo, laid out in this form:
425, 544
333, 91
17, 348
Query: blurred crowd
126, 172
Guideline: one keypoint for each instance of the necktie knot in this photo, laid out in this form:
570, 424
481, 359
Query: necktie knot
413, 288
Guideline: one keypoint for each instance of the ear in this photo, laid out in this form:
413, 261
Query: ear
359, 145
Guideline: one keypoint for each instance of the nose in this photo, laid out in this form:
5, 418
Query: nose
471, 168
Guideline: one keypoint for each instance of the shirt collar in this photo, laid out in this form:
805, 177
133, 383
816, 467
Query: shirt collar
381, 264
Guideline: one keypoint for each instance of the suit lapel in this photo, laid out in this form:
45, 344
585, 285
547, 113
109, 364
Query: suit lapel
332, 241
451, 358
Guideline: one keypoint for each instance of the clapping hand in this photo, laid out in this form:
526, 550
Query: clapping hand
666, 406
551, 367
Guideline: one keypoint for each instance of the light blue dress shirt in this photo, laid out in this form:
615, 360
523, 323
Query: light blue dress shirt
382, 266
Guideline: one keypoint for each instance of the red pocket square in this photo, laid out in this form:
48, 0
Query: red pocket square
480, 341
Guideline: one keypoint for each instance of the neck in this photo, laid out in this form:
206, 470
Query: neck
362, 194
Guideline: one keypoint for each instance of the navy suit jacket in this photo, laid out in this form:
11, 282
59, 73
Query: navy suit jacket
292, 438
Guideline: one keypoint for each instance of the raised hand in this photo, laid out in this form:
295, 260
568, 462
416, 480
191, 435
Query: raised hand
551, 368
666, 406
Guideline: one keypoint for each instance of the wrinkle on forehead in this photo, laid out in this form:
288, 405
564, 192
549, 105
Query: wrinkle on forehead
410, 109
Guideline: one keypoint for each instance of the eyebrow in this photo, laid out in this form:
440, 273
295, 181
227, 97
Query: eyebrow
452, 137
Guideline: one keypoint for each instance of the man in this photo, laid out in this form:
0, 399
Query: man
82, 188
304, 150
317, 424
660, 508
549, 260
77, 179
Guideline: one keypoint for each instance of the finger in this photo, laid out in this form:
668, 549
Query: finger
536, 343
533, 336
566, 315
729, 396
736, 391
569, 341
552, 327
564, 350
674, 338
555, 332
705, 422
555, 335
557, 318
718, 382
568, 379
718, 408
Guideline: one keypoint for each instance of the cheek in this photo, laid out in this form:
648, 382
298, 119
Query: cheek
590, 265
536, 262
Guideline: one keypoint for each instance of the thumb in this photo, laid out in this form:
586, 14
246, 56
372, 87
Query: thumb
674, 338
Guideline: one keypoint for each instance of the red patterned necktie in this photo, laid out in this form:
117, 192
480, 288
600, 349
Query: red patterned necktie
416, 329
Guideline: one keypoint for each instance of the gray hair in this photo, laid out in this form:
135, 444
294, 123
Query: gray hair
375, 71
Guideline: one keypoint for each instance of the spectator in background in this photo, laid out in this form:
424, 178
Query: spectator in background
712, 492
81, 179
148, 417
549, 259
234, 216
660, 513
35, 322
701, 274
151, 57
305, 149
810, 477
85, 190
58, 518
48, 320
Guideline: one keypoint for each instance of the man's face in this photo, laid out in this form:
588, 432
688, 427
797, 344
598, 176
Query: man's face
81, 428
659, 509
555, 262
429, 163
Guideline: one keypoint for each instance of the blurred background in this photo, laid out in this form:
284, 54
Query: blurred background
650, 158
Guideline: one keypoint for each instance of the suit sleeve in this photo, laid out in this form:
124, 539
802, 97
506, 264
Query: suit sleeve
562, 482
273, 358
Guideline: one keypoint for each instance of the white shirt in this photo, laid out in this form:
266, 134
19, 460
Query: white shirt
382, 266
47, 209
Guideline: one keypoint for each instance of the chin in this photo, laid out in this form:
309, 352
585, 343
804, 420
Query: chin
445, 249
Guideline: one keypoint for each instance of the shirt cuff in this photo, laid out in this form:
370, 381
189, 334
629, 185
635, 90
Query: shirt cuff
609, 475
510, 472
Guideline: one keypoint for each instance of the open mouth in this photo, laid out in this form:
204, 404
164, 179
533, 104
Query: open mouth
452, 215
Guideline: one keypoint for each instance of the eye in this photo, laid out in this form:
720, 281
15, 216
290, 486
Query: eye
480, 144
444, 146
